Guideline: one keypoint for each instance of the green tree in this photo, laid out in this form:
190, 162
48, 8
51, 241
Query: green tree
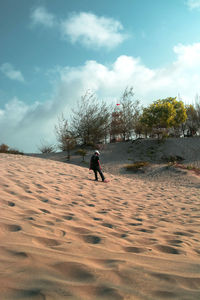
90, 121
164, 114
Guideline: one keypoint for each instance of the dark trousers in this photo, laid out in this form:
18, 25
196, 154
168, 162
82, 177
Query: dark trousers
96, 170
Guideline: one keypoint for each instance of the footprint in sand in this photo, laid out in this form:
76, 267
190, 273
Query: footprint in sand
135, 249
138, 219
11, 227
45, 211
176, 243
68, 217
91, 205
134, 224
105, 293
168, 249
108, 225
97, 219
124, 235
74, 271
30, 294
17, 254
92, 239
10, 203
39, 186
183, 233
145, 230
46, 242
44, 200
50, 223
103, 211
164, 294
30, 219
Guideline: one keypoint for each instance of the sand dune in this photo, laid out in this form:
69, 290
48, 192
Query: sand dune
64, 236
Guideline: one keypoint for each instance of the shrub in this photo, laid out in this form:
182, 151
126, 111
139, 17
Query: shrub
172, 158
4, 148
136, 166
15, 151
47, 149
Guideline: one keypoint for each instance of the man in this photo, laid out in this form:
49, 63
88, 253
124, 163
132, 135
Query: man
95, 165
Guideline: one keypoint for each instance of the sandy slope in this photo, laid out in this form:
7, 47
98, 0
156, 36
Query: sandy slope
115, 156
64, 236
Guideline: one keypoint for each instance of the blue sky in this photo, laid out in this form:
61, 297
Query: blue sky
52, 52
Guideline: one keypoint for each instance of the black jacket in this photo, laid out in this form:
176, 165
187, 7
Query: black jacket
94, 162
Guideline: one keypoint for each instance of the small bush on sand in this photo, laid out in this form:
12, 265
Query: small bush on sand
47, 149
172, 158
136, 166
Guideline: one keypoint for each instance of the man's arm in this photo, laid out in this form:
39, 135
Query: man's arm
99, 164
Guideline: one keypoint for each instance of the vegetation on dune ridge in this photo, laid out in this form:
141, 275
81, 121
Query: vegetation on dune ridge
6, 149
94, 122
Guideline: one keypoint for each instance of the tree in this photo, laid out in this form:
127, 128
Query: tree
164, 114
65, 136
180, 115
124, 116
90, 120
129, 112
193, 121
115, 124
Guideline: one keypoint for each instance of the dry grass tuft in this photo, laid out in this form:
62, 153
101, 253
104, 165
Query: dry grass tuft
136, 166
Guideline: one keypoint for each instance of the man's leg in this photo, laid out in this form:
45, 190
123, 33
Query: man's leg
95, 173
101, 174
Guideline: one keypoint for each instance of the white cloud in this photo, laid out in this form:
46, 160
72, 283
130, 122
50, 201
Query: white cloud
8, 70
85, 28
193, 4
93, 31
26, 125
40, 16
188, 56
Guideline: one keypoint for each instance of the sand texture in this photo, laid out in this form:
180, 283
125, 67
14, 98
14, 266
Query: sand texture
64, 236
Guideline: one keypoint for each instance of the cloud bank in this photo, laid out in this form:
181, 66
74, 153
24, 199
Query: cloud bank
26, 125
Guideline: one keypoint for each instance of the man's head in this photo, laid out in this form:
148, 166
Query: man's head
96, 152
